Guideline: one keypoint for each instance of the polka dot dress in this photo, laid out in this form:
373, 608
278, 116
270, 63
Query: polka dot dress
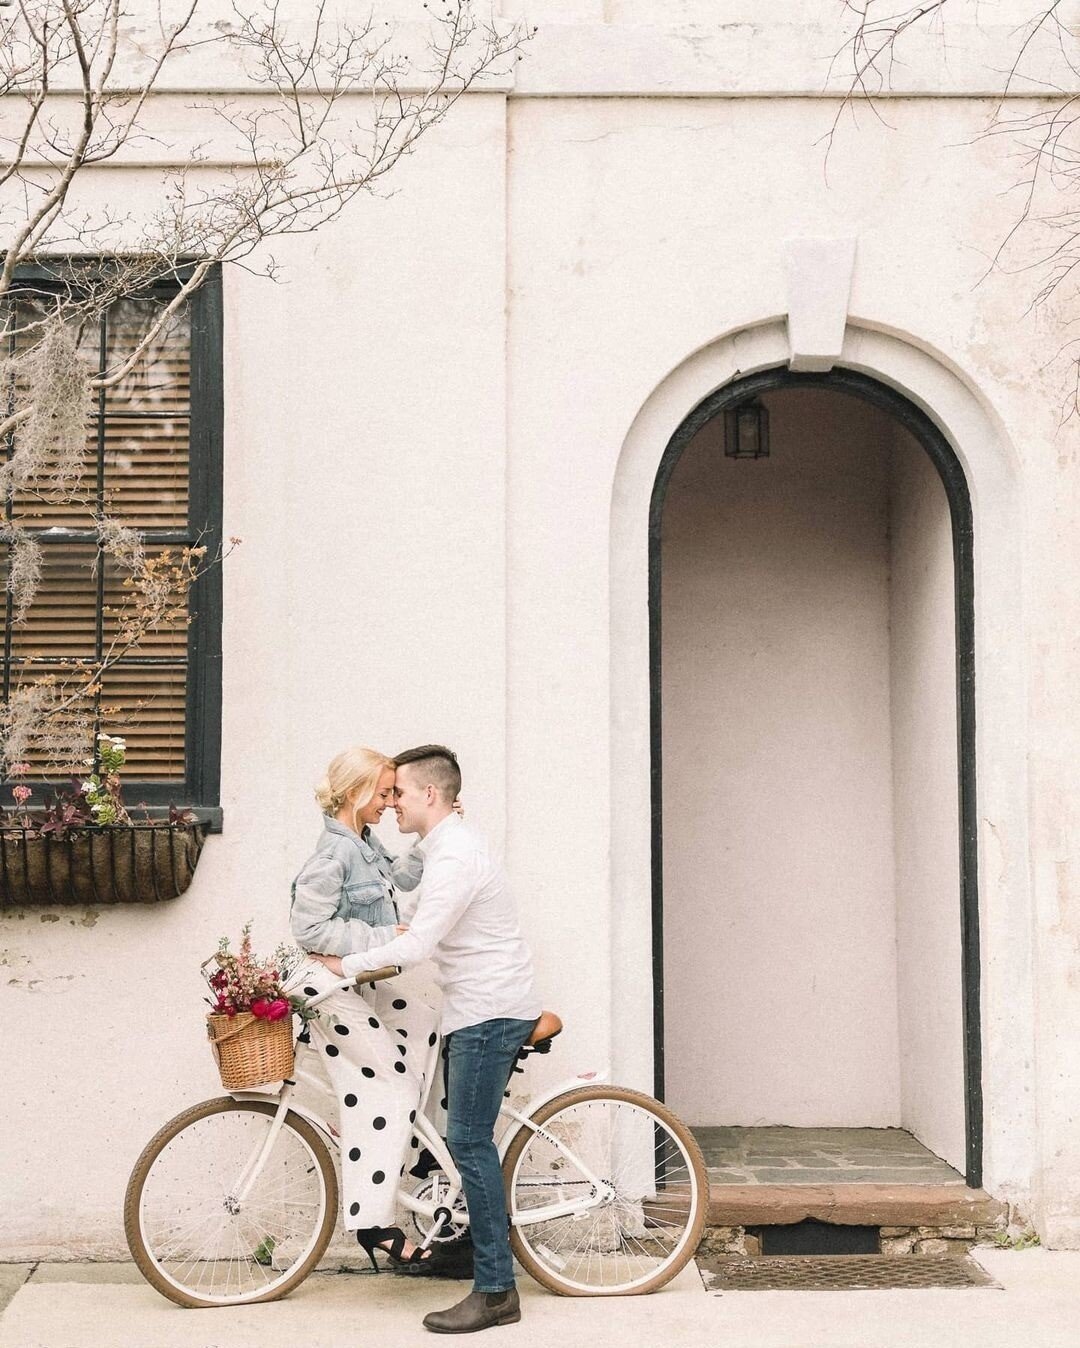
379, 1049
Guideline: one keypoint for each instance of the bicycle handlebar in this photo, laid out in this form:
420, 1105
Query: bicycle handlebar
376, 975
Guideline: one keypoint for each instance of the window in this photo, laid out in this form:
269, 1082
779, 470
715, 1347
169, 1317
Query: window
153, 461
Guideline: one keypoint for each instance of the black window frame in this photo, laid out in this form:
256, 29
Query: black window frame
200, 789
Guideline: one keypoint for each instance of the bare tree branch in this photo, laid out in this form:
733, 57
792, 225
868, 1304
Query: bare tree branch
1044, 237
333, 109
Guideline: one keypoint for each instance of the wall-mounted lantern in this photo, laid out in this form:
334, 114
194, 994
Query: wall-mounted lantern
746, 430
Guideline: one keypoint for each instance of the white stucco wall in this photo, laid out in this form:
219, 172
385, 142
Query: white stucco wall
364, 474
441, 437
925, 801
779, 910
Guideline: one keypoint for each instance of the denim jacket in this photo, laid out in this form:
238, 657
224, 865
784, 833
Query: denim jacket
343, 898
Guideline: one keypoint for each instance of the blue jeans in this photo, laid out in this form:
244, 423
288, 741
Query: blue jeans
478, 1066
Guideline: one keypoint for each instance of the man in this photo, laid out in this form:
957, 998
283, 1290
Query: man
465, 921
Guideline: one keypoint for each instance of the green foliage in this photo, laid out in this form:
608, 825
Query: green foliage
264, 1252
1013, 1239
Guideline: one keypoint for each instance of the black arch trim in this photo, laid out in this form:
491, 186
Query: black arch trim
951, 472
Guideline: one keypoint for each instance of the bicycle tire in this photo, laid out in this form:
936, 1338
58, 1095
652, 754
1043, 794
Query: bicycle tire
697, 1206
144, 1258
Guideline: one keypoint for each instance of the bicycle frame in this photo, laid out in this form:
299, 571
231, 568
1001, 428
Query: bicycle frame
439, 1209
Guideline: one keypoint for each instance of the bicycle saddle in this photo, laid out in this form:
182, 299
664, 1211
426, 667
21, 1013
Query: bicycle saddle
544, 1031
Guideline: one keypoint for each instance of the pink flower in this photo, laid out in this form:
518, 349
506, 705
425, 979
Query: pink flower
18, 769
266, 1009
21, 793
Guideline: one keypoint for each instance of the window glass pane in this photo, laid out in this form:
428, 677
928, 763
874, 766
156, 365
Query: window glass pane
62, 752
146, 471
63, 617
142, 424
43, 506
32, 313
146, 704
159, 381
62, 620
145, 426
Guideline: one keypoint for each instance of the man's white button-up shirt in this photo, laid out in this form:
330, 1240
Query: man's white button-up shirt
465, 922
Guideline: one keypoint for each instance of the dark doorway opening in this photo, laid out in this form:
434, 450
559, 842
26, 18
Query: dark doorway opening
850, 386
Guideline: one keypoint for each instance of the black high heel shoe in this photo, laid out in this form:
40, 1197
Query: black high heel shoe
371, 1238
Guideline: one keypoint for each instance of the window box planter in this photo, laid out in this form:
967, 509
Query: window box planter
121, 863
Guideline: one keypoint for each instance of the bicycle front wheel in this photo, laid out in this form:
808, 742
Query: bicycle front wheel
203, 1232
629, 1185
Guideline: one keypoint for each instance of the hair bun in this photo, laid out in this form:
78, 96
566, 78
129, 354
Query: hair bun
356, 771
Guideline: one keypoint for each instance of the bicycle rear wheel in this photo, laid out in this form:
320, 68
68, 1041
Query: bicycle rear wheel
643, 1199
190, 1234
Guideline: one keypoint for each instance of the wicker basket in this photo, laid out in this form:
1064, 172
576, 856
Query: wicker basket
250, 1051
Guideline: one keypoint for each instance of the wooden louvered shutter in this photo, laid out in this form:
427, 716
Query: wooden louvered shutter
137, 467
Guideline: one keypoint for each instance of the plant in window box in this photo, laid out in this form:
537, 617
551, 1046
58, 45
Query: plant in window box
82, 846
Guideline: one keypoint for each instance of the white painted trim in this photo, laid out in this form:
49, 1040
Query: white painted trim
818, 275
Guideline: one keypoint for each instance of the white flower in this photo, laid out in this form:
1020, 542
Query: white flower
86, 788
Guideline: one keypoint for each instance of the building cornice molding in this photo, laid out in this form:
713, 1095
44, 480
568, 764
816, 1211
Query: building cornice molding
588, 57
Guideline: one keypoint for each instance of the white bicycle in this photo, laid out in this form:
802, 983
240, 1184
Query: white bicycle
235, 1200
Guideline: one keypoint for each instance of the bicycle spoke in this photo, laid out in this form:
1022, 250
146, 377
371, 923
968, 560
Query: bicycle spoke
631, 1232
201, 1239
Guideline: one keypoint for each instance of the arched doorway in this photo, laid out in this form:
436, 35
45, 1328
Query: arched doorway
814, 883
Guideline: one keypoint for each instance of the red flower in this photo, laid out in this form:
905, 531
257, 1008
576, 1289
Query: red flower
278, 1009
261, 1009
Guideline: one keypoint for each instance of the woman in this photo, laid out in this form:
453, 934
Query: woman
380, 1049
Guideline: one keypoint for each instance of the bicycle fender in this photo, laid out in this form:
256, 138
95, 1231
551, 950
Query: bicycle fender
569, 1084
320, 1125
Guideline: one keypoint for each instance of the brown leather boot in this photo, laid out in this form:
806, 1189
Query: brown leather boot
479, 1310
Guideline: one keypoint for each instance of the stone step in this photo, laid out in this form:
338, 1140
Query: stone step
890, 1205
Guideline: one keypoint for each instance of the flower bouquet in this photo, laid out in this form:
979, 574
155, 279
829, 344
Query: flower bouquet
250, 1026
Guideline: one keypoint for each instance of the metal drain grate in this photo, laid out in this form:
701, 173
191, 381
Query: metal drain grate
839, 1272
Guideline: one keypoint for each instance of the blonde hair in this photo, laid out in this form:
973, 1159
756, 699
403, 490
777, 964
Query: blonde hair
352, 768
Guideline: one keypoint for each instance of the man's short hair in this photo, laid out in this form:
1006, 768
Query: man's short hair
438, 765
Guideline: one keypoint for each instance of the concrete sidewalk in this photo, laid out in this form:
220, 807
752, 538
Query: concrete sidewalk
106, 1306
